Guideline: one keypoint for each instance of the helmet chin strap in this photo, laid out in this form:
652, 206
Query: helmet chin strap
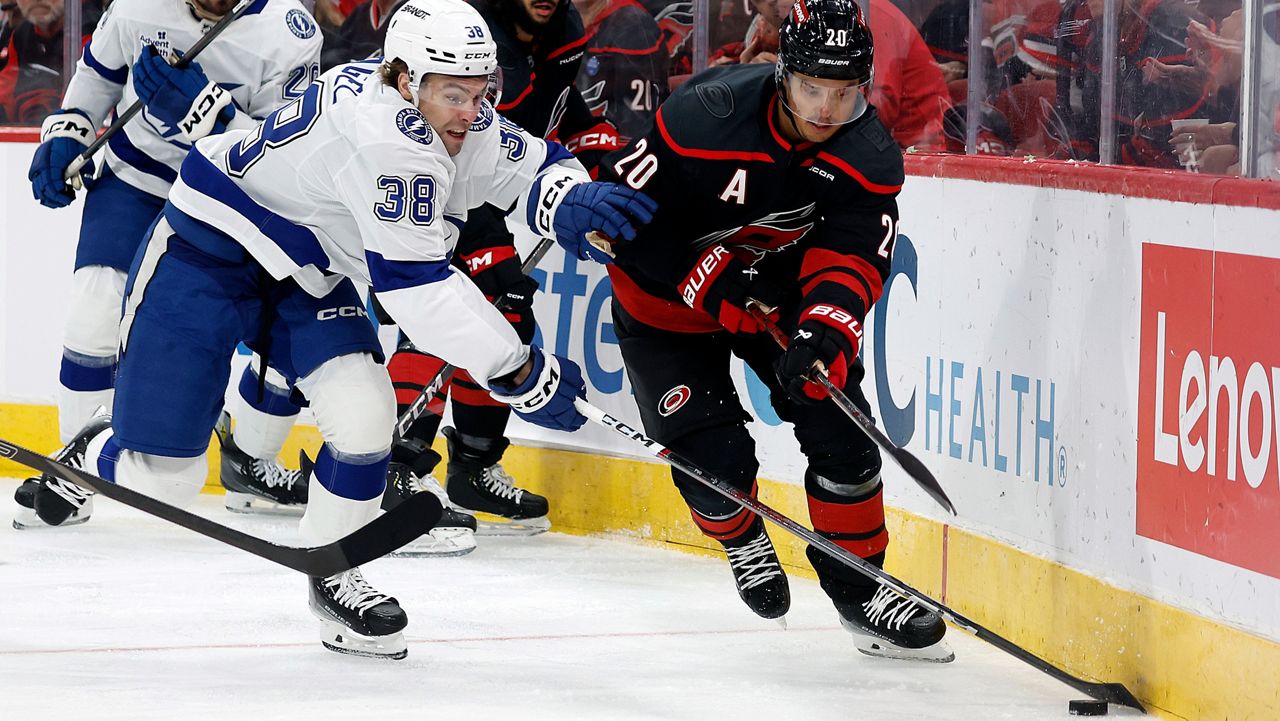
786, 111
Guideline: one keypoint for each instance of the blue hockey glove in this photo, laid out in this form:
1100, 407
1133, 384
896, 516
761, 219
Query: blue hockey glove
607, 208
182, 98
546, 397
63, 136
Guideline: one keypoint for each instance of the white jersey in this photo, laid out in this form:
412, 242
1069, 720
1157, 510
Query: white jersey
265, 57
351, 181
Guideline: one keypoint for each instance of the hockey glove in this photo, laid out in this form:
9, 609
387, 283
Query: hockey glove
591, 145
721, 285
825, 336
546, 397
63, 136
608, 208
496, 272
182, 98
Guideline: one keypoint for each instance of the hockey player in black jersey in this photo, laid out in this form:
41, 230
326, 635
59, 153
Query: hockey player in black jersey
624, 77
776, 184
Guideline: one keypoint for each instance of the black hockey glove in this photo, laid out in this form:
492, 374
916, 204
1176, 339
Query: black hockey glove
825, 336
721, 285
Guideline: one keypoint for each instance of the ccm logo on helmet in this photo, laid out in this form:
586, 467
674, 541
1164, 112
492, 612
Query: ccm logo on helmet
346, 311
674, 399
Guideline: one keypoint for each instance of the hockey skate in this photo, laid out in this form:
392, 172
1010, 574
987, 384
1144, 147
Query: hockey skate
891, 625
477, 483
453, 535
758, 574
45, 501
256, 485
357, 619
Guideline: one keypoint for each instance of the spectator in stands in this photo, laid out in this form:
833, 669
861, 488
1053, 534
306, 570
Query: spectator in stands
31, 60
1212, 146
1152, 35
361, 33
908, 90
624, 76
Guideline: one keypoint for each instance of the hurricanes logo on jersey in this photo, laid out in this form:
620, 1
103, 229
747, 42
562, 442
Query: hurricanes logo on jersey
414, 126
769, 234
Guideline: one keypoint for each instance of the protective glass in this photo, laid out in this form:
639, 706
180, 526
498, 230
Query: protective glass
824, 102
459, 94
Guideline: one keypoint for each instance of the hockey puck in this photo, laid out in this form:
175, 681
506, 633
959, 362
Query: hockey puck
1087, 707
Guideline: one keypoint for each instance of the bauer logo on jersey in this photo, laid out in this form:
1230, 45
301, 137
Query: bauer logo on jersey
674, 399
300, 24
414, 126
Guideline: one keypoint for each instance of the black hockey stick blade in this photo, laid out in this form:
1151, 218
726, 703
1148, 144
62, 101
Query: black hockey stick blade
1110, 692
913, 466
918, 471
387, 533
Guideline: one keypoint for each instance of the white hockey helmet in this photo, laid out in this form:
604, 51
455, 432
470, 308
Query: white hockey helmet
447, 37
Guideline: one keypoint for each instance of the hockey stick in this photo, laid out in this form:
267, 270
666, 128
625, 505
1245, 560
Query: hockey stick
1111, 692
913, 466
393, 529
73, 169
432, 389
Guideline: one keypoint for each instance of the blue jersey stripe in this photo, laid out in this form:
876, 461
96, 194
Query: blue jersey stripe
298, 242
116, 75
555, 153
129, 154
397, 274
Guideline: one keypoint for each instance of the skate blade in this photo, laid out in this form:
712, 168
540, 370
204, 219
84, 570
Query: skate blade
490, 525
27, 520
249, 504
939, 652
340, 639
439, 543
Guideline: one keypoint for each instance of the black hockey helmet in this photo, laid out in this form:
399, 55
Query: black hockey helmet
826, 39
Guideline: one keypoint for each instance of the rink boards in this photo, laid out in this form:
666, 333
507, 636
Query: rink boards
1089, 374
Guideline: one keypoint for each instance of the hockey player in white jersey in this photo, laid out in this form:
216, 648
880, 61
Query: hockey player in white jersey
266, 57
368, 176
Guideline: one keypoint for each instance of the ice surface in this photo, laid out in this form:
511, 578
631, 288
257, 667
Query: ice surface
127, 617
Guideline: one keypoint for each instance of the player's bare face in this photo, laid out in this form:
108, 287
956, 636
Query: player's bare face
537, 12
451, 104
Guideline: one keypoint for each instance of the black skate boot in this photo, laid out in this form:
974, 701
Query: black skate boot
477, 483
891, 625
410, 472
55, 502
357, 619
25, 494
761, 582
256, 485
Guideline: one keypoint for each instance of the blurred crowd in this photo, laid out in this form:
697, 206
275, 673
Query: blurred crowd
1039, 75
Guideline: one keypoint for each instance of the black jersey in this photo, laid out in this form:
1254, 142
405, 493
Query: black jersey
817, 220
624, 78
537, 78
